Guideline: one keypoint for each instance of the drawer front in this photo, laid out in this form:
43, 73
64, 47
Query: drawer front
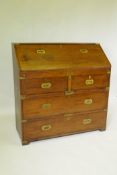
90, 81
43, 85
54, 105
61, 125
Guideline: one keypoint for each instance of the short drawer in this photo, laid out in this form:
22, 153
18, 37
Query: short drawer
41, 106
63, 125
43, 85
90, 81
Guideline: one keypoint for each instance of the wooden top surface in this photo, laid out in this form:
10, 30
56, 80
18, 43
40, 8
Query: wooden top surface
59, 56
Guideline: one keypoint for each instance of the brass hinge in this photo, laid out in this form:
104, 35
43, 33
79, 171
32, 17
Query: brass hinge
22, 78
24, 121
107, 88
23, 97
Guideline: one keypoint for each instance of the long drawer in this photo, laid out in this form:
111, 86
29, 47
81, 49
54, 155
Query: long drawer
46, 105
63, 125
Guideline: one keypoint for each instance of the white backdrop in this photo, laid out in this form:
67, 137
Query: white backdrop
53, 21
93, 153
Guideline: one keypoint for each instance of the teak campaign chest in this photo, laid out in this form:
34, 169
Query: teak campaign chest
60, 89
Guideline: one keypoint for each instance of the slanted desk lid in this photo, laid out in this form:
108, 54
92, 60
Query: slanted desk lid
52, 56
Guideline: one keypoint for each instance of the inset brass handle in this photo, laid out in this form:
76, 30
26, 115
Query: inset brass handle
46, 127
40, 51
83, 50
88, 101
46, 106
87, 121
89, 81
46, 85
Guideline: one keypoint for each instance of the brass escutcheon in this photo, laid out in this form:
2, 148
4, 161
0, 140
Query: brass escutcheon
84, 50
87, 121
46, 106
46, 127
46, 85
40, 51
88, 101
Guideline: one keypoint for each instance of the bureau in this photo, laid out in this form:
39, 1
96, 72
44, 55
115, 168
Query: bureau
60, 89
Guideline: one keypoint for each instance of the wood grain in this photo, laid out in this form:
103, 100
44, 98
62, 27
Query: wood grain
59, 56
33, 107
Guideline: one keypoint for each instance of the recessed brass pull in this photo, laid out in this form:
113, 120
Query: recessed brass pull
84, 50
87, 121
46, 106
88, 101
89, 81
46, 85
40, 51
46, 127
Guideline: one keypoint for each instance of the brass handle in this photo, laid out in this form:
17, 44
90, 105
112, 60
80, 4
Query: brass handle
46, 85
84, 50
87, 121
88, 101
46, 127
46, 106
89, 81
40, 51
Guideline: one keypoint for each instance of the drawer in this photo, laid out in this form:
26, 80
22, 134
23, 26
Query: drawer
90, 81
43, 85
63, 125
40, 106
